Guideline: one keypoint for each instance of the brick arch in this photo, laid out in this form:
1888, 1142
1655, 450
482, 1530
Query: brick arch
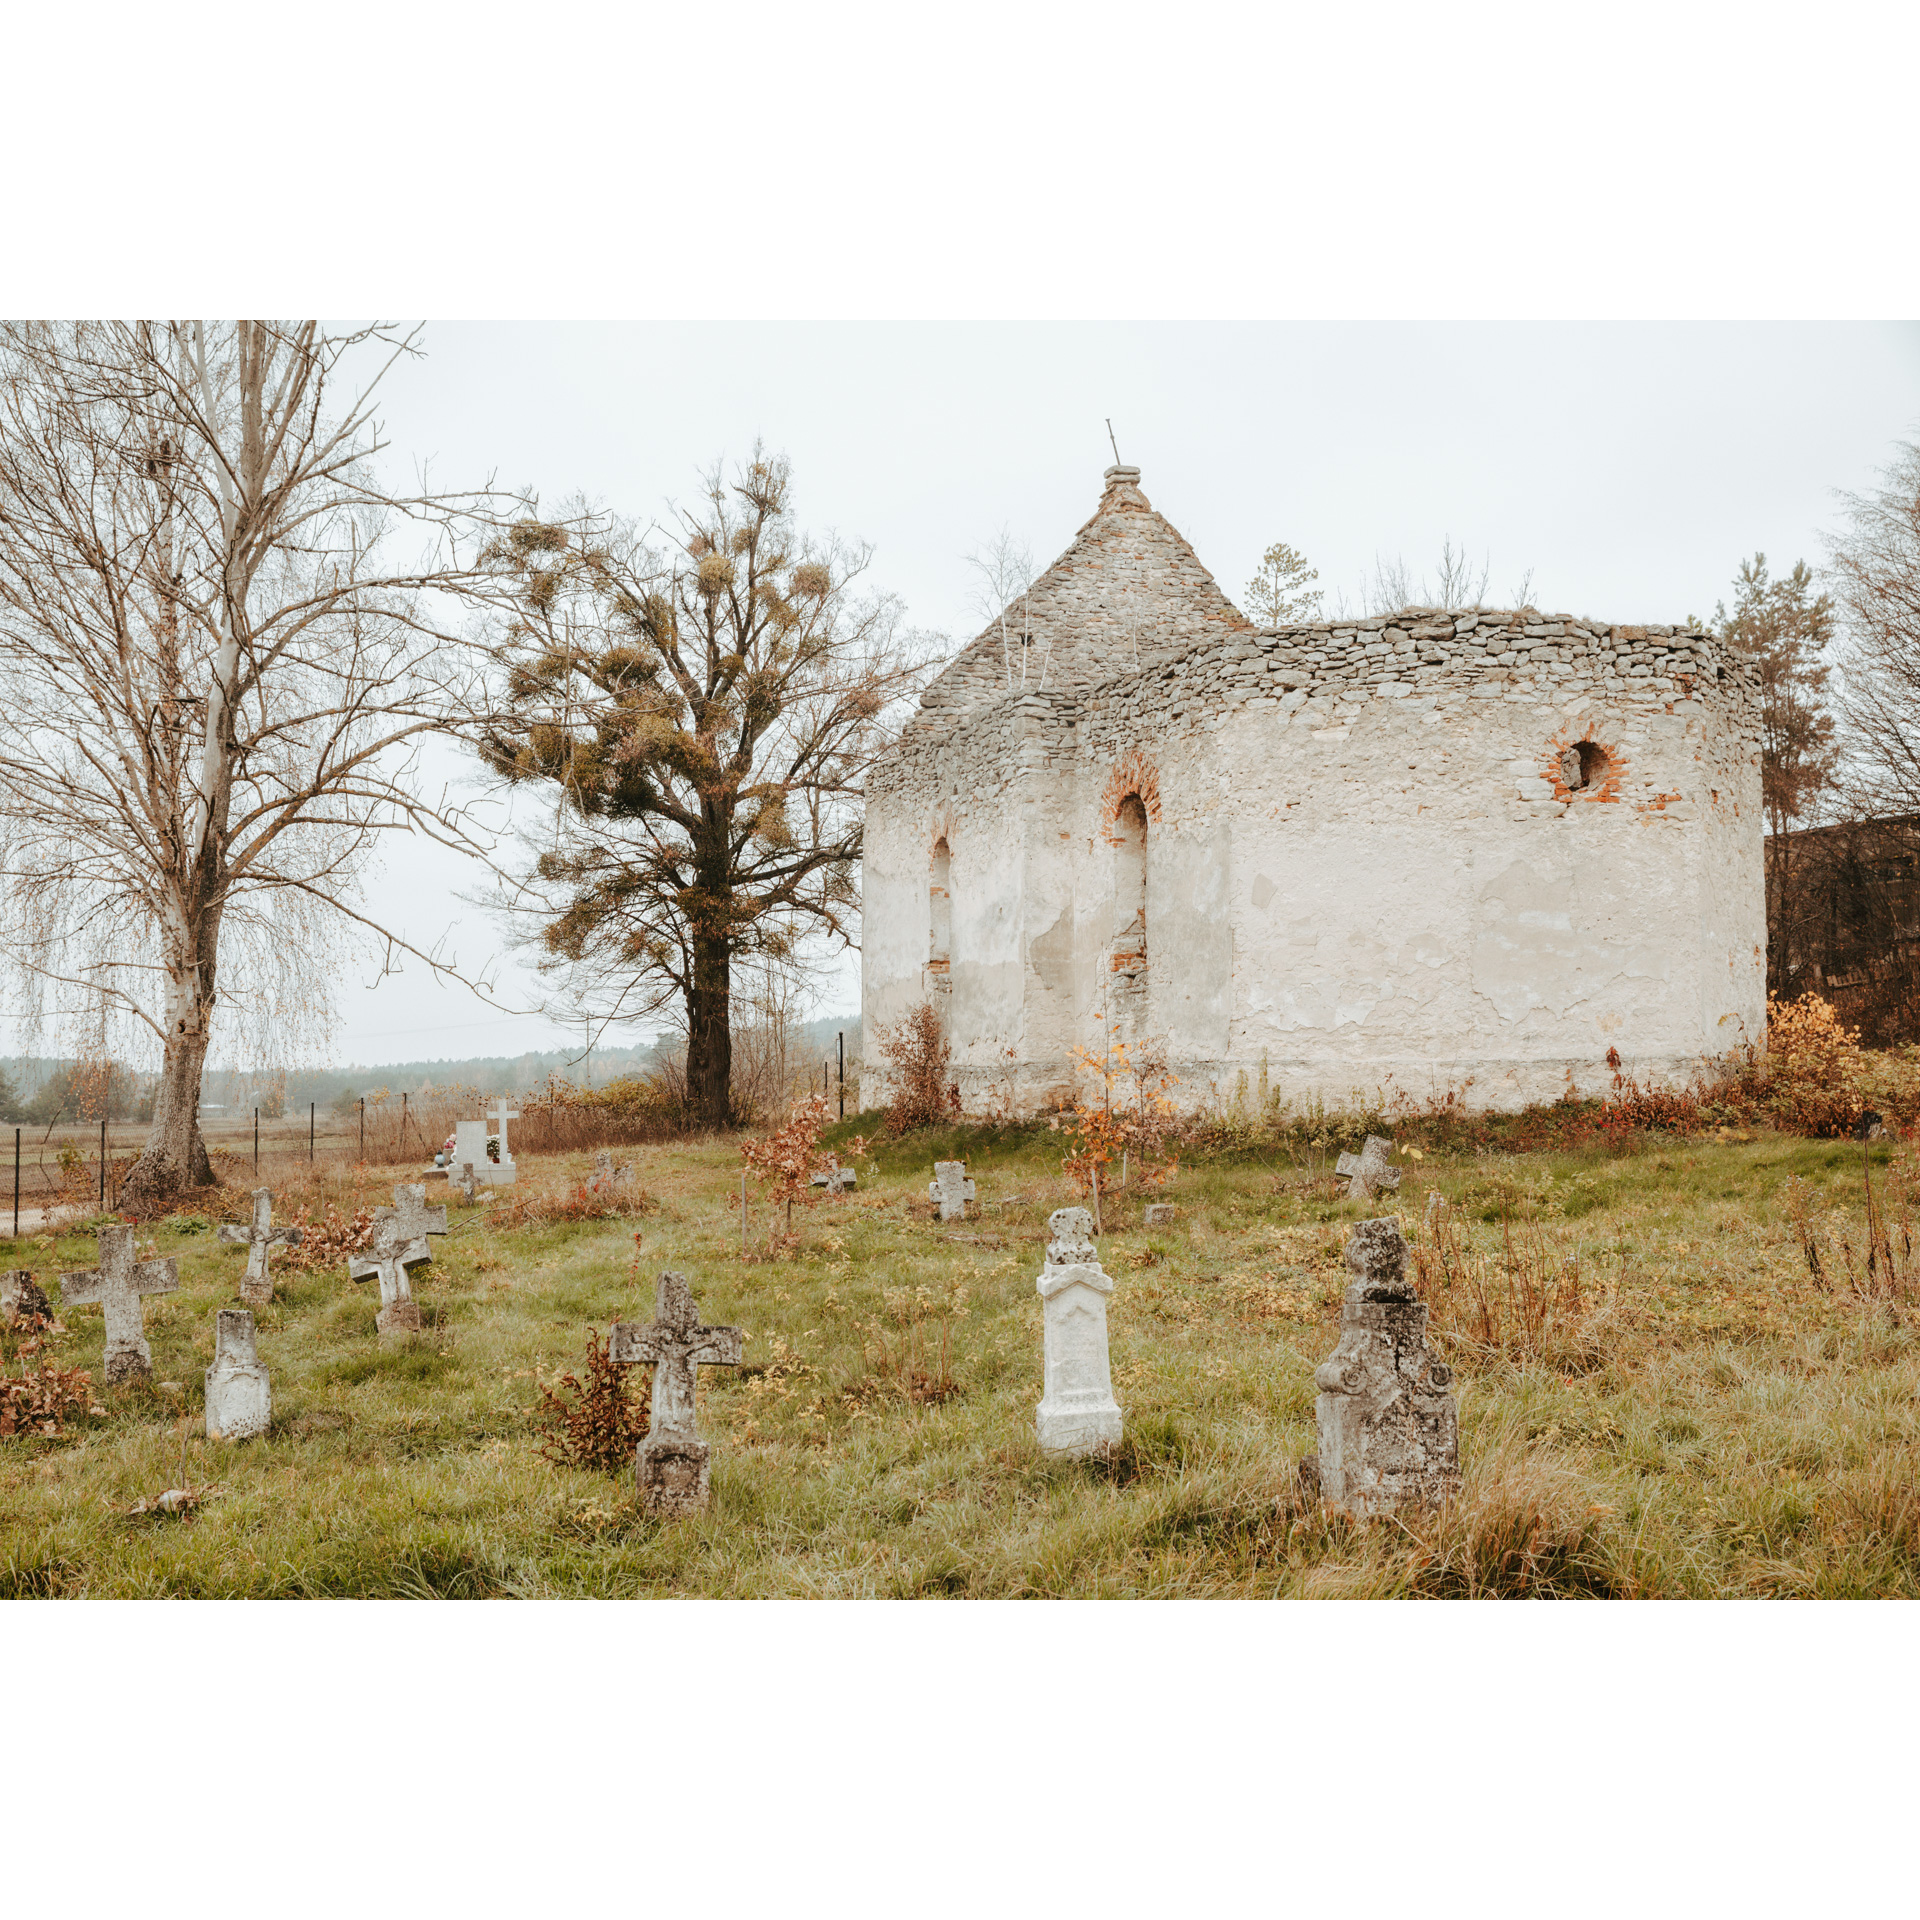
1135, 774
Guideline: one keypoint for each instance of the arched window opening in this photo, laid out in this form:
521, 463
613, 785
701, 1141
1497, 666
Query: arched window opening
940, 903
1584, 767
1130, 880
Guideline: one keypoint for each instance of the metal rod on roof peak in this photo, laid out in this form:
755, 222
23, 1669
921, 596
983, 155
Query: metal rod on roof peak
1114, 444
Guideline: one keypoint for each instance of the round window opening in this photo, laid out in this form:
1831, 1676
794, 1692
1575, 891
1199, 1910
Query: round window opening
1585, 767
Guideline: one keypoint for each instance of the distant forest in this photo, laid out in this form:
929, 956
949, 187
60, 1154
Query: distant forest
37, 1091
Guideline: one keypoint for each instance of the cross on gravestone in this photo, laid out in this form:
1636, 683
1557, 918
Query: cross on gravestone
1369, 1171
500, 1115
1077, 1412
1388, 1427
673, 1465
387, 1261
256, 1286
239, 1397
836, 1179
467, 1182
116, 1286
22, 1304
951, 1187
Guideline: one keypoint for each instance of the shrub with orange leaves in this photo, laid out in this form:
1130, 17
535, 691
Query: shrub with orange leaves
1131, 1114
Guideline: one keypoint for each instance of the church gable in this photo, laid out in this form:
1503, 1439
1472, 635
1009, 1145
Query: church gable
1129, 593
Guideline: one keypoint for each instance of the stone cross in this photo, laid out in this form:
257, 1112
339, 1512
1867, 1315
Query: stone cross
239, 1400
468, 1182
836, 1179
413, 1220
951, 1187
1371, 1170
1389, 1430
1077, 1409
606, 1176
256, 1288
500, 1115
115, 1286
399, 1242
673, 1465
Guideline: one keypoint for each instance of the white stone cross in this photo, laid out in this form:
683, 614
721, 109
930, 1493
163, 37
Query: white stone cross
115, 1286
1077, 1411
256, 1288
239, 1398
399, 1242
673, 1464
1369, 1171
951, 1187
500, 1115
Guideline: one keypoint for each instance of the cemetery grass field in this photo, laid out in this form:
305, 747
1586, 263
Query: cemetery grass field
1709, 1421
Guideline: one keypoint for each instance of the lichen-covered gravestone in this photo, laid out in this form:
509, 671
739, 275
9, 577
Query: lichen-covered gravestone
256, 1287
116, 1286
1389, 1431
400, 1244
239, 1399
1077, 1410
951, 1187
673, 1465
22, 1304
1369, 1171
836, 1178
606, 1179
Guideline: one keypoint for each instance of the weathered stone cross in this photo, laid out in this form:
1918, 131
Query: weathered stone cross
1369, 1171
673, 1465
836, 1179
115, 1286
606, 1176
256, 1288
951, 1187
400, 1242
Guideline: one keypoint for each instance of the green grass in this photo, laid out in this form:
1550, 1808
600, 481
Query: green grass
1724, 1427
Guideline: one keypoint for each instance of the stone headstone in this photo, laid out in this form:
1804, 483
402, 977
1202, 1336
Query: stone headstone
951, 1187
239, 1400
1369, 1171
505, 1173
836, 1179
256, 1286
1389, 1430
1077, 1411
470, 1147
22, 1304
606, 1178
1160, 1215
116, 1286
673, 1466
466, 1182
399, 1244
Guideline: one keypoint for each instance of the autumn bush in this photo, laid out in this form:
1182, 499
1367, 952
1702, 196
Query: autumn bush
589, 1418
919, 1057
1127, 1117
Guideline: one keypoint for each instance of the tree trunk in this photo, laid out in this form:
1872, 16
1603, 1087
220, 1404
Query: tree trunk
710, 1035
175, 1157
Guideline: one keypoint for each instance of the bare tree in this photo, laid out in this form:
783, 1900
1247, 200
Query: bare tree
700, 718
1458, 586
208, 686
1003, 571
1874, 565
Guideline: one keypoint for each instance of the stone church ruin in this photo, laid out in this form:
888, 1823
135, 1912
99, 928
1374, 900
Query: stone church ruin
1431, 850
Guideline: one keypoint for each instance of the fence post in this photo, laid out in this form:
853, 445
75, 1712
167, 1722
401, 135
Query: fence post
256, 1143
363, 1129
312, 1106
843, 1076
16, 1183
103, 1166
743, 1209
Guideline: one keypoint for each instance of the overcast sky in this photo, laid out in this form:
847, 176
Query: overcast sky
1630, 467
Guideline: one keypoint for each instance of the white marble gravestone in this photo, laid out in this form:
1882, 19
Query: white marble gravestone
256, 1286
505, 1174
1077, 1411
115, 1286
673, 1465
1369, 1171
470, 1147
951, 1187
239, 1400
